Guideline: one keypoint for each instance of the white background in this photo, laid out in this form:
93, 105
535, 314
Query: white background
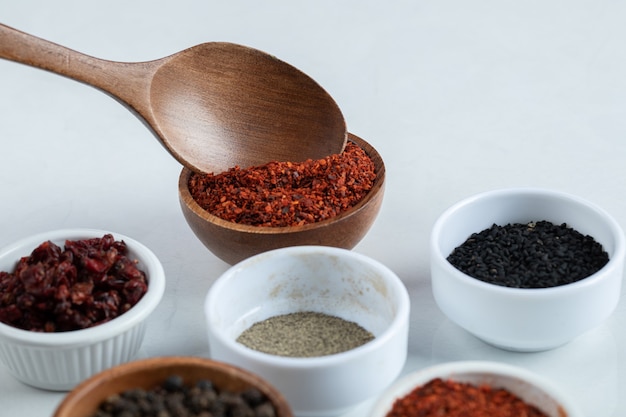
459, 97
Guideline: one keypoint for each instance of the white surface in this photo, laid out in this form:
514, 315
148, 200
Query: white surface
334, 281
458, 97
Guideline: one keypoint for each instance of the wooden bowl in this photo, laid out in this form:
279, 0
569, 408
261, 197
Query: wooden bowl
84, 400
233, 242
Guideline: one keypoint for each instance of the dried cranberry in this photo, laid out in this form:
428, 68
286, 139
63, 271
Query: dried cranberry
87, 283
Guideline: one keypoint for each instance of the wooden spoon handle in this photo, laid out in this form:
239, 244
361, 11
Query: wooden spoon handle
129, 83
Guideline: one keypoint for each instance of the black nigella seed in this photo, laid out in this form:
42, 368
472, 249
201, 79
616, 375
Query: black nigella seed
533, 255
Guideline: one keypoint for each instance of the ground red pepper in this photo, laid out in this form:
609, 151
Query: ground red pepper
446, 398
89, 282
287, 193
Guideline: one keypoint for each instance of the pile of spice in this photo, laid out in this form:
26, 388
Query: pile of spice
304, 334
174, 399
446, 398
534, 255
87, 283
281, 194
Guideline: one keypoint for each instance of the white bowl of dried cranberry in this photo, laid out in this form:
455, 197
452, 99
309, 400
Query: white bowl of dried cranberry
527, 269
73, 303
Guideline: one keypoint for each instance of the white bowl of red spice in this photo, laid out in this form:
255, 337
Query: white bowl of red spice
527, 269
474, 388
245, 211
333, 325
73, 303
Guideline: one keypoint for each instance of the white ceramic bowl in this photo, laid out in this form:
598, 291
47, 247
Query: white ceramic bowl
525, 319
329, 280
530, 387
59, 361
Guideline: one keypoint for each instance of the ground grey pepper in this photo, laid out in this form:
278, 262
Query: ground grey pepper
304, 334
532, 255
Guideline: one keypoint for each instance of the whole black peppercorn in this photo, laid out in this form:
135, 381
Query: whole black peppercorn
265, 410
205, 385
174, 399
173, 383
253, 397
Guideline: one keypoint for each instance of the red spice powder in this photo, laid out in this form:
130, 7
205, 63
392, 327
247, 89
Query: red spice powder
455, 399
286, 193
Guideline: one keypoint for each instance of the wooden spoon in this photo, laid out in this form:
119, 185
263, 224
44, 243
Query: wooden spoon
212, 106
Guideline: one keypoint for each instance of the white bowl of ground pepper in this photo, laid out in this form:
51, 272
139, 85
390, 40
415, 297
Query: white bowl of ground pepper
74, 302
298, 296
527, 269
474, 388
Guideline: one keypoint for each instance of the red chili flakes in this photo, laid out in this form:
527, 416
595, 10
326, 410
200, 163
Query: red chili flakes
286, 193
456, 399
89, 282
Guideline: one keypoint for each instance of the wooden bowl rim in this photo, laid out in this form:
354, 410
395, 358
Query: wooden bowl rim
379, 182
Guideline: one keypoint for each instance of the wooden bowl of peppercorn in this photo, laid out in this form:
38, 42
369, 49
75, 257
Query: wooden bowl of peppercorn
174, 386
527, 269
243, 212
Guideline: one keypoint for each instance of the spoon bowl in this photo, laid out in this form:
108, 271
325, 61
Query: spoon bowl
213, 106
